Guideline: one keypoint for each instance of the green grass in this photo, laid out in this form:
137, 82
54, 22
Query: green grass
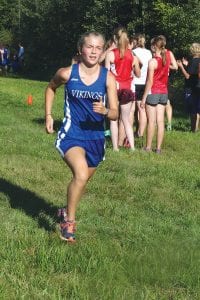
138, 222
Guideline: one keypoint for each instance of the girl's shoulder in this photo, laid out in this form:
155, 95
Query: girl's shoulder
64, 73
153, 62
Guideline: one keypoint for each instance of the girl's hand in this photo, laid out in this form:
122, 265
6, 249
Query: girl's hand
49, 124
142, 104
179, 63
99, 107
184, 61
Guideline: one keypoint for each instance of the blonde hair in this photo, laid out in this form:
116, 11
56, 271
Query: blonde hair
82, 38
160, 42
195, 49
121, 36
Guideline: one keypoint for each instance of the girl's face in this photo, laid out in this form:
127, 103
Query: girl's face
153, 48
92, 49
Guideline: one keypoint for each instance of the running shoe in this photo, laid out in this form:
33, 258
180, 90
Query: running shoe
62, 214
136, 135
146, 149
107, 133
126, 143
157, 151
67, 230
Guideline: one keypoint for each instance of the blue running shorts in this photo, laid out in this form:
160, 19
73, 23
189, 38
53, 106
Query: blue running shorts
94, 149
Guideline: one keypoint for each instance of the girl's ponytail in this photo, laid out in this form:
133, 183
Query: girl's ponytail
163, 55
122, 41
160, 42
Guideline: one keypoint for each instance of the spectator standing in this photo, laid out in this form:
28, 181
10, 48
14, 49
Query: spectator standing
124, 63
20, 54
156, 91
192, 76
3, 58
144, 56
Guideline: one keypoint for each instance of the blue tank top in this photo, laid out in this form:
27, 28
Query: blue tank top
80, 121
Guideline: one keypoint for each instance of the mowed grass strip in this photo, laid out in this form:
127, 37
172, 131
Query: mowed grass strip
138, 222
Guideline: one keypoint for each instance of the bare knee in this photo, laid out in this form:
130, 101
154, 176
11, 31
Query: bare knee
81, 177
151, 123
160, 123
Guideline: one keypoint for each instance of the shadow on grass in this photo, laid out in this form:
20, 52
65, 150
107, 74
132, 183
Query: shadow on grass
31, 204
56, 124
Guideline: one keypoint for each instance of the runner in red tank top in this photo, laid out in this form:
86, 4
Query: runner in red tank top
156, 93
124, 62
161, 75
123, 68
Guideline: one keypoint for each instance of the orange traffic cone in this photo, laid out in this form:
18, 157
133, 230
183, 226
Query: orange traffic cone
30, 100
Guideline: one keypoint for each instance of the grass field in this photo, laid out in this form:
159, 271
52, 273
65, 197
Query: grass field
138, 223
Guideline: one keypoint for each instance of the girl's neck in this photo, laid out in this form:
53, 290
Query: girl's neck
89, 75
89, 69
158, 52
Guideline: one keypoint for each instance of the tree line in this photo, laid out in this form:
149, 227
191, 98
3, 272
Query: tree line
49, 29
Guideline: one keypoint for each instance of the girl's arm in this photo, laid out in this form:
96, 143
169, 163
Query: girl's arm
173, 63
112, 111
109, 59
136, 66
185, 73
61, 77
140, 63
151, 68
1, 56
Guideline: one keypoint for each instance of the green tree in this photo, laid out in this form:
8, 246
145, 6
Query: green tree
179, 22
50, 29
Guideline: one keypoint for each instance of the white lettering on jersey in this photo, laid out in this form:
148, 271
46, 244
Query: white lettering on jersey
87, 94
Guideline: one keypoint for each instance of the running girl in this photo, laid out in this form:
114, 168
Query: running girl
80, 140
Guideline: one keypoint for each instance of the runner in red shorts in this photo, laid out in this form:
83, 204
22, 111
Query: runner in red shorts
124, 64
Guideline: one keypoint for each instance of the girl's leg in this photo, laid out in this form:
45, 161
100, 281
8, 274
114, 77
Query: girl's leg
125, 114
195, 106
151, 122
168, 109
160, 118
122, 134
75, 159
142, 119
114, 134
198, 121
132, 113
194, 122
